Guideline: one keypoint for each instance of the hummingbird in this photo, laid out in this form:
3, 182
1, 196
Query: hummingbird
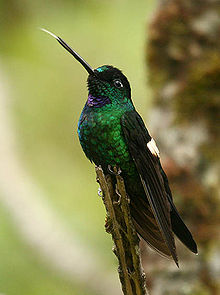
113, 134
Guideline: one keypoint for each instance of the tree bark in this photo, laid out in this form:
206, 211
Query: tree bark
183, 56
119, 224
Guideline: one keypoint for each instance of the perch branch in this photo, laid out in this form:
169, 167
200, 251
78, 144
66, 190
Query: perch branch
119, 224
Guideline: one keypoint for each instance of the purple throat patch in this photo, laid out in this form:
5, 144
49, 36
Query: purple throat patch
97, 102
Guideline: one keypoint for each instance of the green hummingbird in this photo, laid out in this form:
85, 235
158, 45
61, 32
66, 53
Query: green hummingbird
113, 134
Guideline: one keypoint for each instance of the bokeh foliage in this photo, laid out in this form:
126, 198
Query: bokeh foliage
46, 90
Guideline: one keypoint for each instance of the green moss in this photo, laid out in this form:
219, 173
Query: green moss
200, 96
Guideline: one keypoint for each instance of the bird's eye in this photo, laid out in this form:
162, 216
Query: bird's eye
118, 83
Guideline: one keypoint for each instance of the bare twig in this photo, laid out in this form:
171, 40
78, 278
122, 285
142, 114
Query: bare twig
119, 224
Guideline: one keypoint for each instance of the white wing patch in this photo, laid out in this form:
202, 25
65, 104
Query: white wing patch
153, 148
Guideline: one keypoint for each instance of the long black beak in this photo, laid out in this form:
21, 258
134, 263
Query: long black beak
88, 68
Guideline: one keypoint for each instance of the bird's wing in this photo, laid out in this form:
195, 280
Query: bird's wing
178, 226
146, 157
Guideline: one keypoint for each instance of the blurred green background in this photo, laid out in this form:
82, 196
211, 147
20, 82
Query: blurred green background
43, 90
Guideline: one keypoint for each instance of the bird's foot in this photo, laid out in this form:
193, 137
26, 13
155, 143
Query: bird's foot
114, 171
119, 197
118, 202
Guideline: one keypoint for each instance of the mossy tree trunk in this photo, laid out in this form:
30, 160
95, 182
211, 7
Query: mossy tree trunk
183, 57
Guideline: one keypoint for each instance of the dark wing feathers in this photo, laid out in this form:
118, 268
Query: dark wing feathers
147, 227
157, 222
181, 230
147, 165
178, 226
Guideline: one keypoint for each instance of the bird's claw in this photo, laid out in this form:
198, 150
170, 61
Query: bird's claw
115, 171
119, 197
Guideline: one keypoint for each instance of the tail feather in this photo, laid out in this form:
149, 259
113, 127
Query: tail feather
147, 227
178, 226
181, 230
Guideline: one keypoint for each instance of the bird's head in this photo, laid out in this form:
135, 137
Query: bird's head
106, 84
